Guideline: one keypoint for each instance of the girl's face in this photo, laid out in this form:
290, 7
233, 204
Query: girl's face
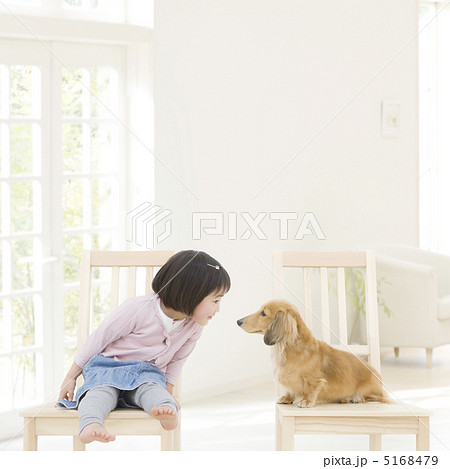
207, 309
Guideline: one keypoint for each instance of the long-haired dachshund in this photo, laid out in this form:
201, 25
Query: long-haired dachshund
311, 370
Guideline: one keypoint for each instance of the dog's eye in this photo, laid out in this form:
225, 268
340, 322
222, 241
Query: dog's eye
263, 313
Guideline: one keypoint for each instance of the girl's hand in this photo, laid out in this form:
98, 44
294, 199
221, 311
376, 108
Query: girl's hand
67, 389
69, 383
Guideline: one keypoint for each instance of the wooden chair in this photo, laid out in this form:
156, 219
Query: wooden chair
374, 419
51, 420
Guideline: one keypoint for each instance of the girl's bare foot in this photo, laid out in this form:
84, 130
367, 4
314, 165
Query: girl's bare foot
167, 416
95, 432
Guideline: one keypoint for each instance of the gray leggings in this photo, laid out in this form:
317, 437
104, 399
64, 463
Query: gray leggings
99, 402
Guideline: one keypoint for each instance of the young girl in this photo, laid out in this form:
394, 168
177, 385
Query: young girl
134, 357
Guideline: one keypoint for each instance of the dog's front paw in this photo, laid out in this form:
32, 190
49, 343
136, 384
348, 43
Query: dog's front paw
357, 399
354, 399
285, 399
306, 403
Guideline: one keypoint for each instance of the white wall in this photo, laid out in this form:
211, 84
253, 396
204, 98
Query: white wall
240, 87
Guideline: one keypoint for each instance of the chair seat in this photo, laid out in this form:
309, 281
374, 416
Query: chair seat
370, 409
374, 419
53, 411
52, 420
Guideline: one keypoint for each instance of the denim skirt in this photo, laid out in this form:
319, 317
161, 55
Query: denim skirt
123, 375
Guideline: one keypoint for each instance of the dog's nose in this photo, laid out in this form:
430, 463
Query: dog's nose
240, 322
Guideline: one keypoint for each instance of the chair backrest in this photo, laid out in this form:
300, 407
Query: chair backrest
325, 261
115, 263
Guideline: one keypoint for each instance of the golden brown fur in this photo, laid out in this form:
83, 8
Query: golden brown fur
311, 370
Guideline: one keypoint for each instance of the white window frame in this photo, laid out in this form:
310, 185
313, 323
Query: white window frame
137, 126
136, 12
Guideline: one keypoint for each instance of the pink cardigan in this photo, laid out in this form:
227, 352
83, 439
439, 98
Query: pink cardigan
135, 331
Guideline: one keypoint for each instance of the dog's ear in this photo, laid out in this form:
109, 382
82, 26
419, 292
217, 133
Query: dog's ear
283, 329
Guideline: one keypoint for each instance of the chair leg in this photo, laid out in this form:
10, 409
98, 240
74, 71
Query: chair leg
278, 430
177, 438
287, 434
396, 351
375, 441
423, 435
29, 435
166, 440
429, 356
78, 445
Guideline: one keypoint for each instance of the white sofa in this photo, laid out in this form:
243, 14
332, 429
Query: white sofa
415, 285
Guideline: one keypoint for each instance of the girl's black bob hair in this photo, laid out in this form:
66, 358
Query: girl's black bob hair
187, 278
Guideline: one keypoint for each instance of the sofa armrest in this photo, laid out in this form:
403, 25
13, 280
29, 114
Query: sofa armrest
440, 262
410, 293
408, 289
398, 265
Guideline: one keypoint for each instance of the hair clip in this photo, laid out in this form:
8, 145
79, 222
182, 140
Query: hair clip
217, 267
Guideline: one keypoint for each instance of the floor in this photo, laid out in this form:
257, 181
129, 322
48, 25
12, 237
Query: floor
244, 420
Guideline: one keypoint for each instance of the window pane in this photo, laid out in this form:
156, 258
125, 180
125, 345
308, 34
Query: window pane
21, 206
69, 355
23, 321
101, 296
24, 92
103, 90
2, 329
72, 92
4, 138
25, 2
73, 203
71, 299
103, 151
4, 91
24, 379
5, 384
72, 148
102, 241
72, 248
21, 148
1, 231
100, 273
103, 212
22, 264
72, 3
80, 4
